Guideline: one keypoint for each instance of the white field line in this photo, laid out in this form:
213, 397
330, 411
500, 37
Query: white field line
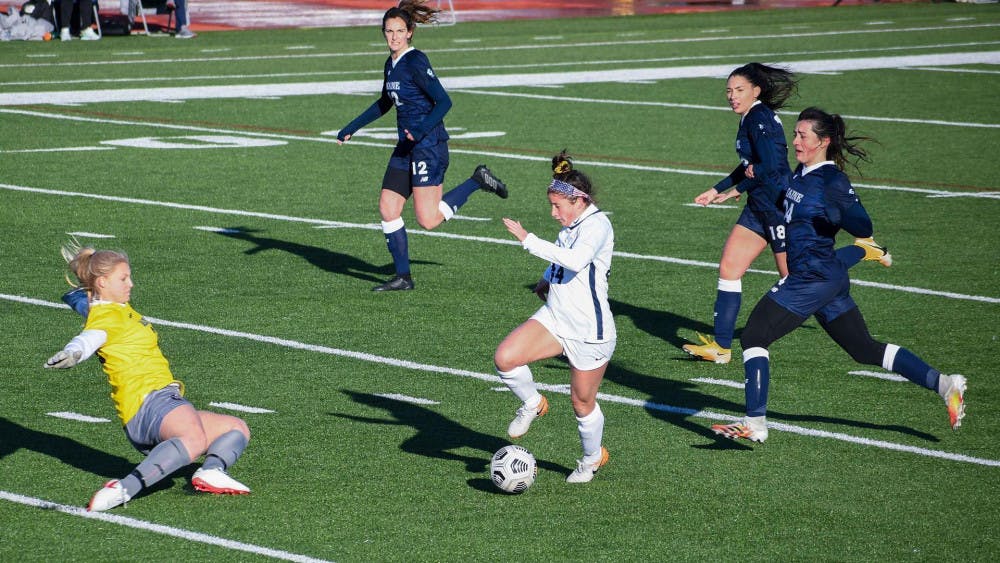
495, 67
77, 417
492, 154
562, 389
878, 375
486, 81
717, 108
240, 408
508, 242
157, 528
380, 50
81, 234
723, 382
481, 153
958, 70
407, 399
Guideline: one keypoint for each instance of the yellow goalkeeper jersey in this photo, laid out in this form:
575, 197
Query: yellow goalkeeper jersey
131, 356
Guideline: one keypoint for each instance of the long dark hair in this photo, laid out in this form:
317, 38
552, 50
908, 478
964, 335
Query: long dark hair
776, 84
412, 12
832, 126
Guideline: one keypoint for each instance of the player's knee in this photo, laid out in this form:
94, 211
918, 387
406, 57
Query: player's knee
430, 221
868, 353
241, 425
582, 407
754, 336
196, 442
504, 360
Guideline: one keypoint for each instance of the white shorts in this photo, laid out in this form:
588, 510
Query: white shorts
582, 355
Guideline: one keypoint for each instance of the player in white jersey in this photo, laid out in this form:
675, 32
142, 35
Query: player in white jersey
576, 319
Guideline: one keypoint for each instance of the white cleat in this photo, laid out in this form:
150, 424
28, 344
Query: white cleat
954, 399
217, 482
109, 496
585, 470
753, 429
525, 416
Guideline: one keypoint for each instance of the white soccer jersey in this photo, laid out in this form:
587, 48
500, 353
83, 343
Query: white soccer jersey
578, 276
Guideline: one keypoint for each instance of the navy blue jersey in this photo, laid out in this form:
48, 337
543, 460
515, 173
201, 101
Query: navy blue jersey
817, 205
420, 101
413, 88
760, 141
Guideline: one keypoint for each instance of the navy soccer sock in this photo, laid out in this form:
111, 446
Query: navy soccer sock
757, 368
457, 196
727, 308
399, 248
907, 364
850, 255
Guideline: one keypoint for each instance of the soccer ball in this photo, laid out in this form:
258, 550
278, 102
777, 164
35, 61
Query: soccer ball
513, 469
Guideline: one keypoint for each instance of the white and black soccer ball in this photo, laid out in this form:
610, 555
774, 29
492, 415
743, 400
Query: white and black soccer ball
513, 469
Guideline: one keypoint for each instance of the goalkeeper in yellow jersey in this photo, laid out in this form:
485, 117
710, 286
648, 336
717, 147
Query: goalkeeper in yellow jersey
157, 419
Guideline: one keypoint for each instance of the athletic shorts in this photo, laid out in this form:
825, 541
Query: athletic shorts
582, 355
827, 299
143, 431
770, 225
415, 167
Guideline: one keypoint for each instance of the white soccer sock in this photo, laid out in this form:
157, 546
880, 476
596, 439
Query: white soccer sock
889, 357
732, 286
521, 383
944, 385
591, 429
389, 227
446, 210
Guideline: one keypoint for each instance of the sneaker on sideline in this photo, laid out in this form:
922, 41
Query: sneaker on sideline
185, 33
525, 416
217, 482
88, 34
585, 470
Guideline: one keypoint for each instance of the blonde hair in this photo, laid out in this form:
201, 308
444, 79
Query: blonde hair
87, 264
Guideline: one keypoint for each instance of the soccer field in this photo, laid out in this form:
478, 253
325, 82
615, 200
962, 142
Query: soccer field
254, 243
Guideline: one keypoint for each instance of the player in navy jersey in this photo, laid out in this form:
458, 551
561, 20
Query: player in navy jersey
420, 159
576, 319
819, 201
755, 92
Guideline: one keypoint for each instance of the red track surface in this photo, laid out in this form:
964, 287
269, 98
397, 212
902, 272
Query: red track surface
260, 14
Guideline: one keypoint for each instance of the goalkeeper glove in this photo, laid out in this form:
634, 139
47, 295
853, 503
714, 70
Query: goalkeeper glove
64, 359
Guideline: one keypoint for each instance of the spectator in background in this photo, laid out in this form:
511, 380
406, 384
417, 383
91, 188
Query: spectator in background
181, 16
86, 14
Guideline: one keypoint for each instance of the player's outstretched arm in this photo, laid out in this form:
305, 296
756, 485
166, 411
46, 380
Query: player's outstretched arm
64, 359
77, 350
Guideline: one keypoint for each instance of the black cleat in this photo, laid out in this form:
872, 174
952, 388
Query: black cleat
488, 182
397, 283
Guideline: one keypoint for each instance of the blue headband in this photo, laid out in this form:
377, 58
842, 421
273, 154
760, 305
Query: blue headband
567, 190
